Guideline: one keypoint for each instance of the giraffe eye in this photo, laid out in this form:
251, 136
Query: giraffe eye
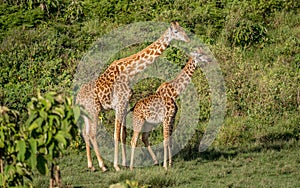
175, 31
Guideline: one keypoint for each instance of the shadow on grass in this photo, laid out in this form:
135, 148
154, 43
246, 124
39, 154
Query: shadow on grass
267, 142
192, 153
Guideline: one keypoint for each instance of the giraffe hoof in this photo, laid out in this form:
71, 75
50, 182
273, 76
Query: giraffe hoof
92, 169
117, 168
156, 163
104, 169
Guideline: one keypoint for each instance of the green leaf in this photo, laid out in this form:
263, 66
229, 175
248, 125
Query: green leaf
68, 100
21, 147
59, 111
46, 103
43, 114
2, 139
19, 169
31, 118
51, 117
60, 137
33, 147
51, 151
49, 137
57, 120
76, 110
36, 124
65, 125
50, 95
30, 105
33, 126
41, 164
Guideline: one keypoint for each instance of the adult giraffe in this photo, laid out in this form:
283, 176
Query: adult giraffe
111, 90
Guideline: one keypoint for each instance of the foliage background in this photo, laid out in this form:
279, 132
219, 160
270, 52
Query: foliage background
256, 43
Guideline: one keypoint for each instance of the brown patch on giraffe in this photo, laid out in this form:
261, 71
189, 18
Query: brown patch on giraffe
172, 89
129, 62
116, 72
111, 74
157, 52
101, 88
148, 51
164, 45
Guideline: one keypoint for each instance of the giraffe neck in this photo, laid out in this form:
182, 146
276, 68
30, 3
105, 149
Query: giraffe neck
138, 62
179, 84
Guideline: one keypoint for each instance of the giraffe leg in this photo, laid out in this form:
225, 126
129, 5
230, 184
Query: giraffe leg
168, 126
170, 139
124, 92
137, 127
145, 139
93, 133
123, 144
120, 130
116, 139
100, 160
85, 134
133, 145
166, 145
170, 151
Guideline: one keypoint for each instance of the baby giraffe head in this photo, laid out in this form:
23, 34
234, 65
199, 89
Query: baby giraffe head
200, 57
176, 32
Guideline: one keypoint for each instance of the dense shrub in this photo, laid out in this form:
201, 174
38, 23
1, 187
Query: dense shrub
255, 42
36, 144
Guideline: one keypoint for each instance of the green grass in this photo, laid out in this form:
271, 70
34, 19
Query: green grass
276, 164
256, 44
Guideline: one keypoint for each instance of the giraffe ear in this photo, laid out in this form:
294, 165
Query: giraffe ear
174, 23
200, 50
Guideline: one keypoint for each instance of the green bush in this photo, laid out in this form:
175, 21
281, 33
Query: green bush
13, 170
51, 126
37, 144
255, 42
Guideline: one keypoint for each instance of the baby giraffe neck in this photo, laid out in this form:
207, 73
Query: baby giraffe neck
184, 77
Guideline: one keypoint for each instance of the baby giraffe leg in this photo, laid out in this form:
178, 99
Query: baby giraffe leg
133, 145
145, 139
167, 131
166, 145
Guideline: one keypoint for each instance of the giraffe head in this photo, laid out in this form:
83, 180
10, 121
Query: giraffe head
199, 55
177, 32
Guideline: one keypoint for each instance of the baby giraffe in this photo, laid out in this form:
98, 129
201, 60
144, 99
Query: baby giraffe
161, 107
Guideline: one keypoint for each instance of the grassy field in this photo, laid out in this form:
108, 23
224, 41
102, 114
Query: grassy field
275, 164
255, 42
